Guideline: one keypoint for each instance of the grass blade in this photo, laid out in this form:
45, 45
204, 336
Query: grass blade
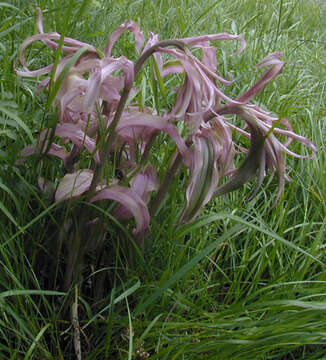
35, 342
186, 268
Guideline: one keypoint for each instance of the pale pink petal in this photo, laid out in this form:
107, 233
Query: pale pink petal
74, 185
143, 184
52, 36
93, 91
122, 63
213, 37
35, 73
54, 150
127, 25
43, 84
270, 59
131, 200
74, 44
277, 66
131, 120
209, 58
77, 136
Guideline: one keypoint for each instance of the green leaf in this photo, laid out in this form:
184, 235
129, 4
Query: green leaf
8, 293
11, 194
121, 297
36, 341
160, 80
261, 228
12, 115
8, 214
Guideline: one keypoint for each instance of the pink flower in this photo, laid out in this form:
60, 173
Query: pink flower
98, 116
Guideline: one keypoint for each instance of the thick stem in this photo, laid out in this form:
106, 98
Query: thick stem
153, 49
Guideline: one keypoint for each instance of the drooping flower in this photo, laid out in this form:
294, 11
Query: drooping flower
97, 111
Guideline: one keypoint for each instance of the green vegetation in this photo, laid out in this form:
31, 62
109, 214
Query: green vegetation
245, 280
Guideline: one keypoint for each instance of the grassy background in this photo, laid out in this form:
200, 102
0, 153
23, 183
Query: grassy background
244, 281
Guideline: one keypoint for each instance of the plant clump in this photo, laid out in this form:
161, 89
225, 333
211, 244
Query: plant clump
105, 130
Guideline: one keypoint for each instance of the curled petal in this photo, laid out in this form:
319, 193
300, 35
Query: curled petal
74, 185
266, 151
121, 63
140, 120
43, 84
212, 156
127, 25
276, 64
212, 37
35, 73
111, 87
199, 92
93, 91
77, 136
101, 78
292, 135
54, 150
39, 21
253, 162
143, 184
209, 58
70, 105
270, 59
221, 138
74, 44
132, 201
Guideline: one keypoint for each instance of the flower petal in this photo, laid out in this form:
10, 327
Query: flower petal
132, 201
276, 64
77, 136
74, 185
140, 120
75, 44
213, 37
253, 161
54, 150
143, 184
204, 177
127, 25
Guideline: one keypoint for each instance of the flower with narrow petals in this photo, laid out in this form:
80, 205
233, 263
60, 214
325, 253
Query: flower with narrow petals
102, 131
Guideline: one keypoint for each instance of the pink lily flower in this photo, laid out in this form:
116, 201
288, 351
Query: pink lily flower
97, 112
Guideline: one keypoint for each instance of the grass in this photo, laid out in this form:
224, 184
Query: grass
245, 281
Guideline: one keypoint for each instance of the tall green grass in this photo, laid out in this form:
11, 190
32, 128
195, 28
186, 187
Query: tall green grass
245, 281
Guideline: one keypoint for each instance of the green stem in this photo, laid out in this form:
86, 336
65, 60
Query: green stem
72, 258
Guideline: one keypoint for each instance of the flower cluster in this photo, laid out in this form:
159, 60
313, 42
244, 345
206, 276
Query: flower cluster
100, 120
